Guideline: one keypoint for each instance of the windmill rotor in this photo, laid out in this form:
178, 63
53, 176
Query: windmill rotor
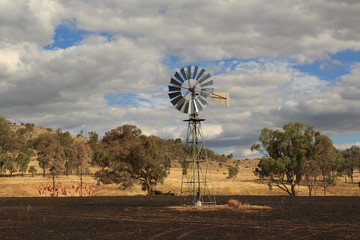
190, 89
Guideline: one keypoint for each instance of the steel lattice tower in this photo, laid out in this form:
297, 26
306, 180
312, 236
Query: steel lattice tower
196, 184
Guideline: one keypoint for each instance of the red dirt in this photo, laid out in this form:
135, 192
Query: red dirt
161, 217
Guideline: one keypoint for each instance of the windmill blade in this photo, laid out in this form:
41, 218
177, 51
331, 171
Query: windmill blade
189, 72
183, 73
195, 71
174, 94
180, 105
209, 83
172, 89
198, 105
202, 100
173, 81
208, 90
176, 100
185, 109
205, 94
201, 73
204, 78
178, 77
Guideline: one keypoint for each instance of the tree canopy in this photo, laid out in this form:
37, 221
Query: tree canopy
133, 157
294, 154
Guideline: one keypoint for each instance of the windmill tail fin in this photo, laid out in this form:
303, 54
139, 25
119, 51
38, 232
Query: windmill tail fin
221, 97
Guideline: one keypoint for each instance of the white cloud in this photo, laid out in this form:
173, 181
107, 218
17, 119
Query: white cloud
253, 46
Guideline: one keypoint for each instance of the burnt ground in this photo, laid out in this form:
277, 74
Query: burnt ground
162, 217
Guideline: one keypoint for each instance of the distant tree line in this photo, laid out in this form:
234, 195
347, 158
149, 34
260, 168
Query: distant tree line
123, 156
299, 155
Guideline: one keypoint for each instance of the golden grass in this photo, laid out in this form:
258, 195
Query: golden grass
235, 204
246, 183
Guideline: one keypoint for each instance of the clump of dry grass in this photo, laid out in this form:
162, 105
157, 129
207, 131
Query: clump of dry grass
246, 206
236, 204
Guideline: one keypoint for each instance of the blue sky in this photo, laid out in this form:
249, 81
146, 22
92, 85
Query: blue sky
93, 66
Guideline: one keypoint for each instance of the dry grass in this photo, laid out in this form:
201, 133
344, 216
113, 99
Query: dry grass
246, 183
235, 204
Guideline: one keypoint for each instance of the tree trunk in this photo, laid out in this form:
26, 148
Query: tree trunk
80, 184
293, 191
43, 172
324, 182
53, 185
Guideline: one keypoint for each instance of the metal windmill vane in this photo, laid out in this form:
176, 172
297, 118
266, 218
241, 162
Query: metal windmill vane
190, 91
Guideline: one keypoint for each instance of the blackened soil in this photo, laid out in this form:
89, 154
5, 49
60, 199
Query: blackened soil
160, 217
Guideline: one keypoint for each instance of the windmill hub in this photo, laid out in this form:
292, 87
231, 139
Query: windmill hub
189, 90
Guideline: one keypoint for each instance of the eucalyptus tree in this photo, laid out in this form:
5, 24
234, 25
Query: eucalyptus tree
22, 161
50, 153
131, 156
80, 161
351, 160
328, 159
285, 152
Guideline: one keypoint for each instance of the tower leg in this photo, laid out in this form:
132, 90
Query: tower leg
196, 184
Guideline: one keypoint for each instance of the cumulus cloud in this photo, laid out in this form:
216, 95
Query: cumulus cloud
252, 48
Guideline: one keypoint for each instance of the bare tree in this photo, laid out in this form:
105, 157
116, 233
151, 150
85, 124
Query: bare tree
80, 160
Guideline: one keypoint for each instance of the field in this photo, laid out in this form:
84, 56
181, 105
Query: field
161, 217
246, 183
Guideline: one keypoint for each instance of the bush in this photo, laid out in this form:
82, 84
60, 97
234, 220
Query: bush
32, 170
236, 204
233, 171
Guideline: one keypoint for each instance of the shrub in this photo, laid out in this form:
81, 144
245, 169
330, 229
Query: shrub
235, 203
233, 171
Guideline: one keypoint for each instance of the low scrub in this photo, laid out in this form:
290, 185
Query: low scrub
236, 204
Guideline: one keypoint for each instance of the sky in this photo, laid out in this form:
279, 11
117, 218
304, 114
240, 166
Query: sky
96, 65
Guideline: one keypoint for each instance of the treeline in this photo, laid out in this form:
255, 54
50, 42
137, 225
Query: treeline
299, 155
123, 156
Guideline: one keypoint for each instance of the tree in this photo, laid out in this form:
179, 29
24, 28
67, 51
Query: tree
22, 161
233, 171
2, 163
43, 163
311, 171
50, 151
8, 140
93, 136
285, 152
32, 170
328, 160
150, 165
10, 165
81, 158
67, 164
351, 160
134, 157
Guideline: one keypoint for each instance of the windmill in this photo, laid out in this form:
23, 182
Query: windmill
190, 90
